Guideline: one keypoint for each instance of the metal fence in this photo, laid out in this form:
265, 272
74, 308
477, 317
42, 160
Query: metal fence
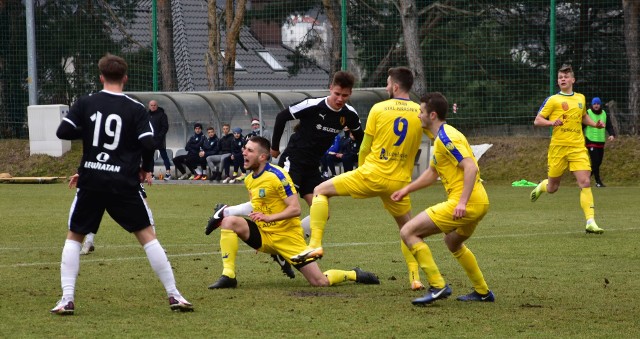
491, 58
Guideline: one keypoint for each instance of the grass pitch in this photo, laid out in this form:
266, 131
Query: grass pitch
549, 277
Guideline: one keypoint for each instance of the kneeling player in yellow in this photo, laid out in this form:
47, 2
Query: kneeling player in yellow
467, 203
274, 224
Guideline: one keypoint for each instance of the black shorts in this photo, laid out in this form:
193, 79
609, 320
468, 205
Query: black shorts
305, 176
129, 210
255, 239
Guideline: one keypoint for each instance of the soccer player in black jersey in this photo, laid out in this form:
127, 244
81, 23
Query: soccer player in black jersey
116, 138
321, 119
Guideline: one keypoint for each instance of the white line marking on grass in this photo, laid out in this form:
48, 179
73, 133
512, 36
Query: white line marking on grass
433, 239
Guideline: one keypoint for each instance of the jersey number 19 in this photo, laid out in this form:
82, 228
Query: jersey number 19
110, 129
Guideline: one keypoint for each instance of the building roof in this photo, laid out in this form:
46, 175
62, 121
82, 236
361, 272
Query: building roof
190, 49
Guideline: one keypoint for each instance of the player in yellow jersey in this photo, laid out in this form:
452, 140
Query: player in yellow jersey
467, 203
392, 138
566, 112
274, 224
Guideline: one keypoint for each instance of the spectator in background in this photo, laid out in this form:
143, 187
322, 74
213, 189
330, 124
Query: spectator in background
349, 149
344, 150
236, 158
215, 161
255, 131
328, 160
160, 124
596, 137
210, 146
193, 147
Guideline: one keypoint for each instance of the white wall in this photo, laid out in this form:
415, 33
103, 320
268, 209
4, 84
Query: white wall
43, 123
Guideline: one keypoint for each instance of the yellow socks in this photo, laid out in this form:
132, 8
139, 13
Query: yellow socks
338, 276
228, 250
319, 215
422, 254
586, 202
468, 261
543, 185
412, 264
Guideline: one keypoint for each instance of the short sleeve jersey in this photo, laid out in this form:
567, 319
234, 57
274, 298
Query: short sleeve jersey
112, 125
319, 125
449, 148
569, 108
397, 134
267, 190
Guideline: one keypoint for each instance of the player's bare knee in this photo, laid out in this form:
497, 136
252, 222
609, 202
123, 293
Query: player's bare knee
552, 188
584, 182
405, 234
454, 241
320, 189
231, 223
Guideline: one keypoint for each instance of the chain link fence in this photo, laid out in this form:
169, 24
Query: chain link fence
490, 58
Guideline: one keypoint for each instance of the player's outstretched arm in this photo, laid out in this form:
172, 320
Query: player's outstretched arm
470, 172
240, 209
426, 179
365, 148
278, 129
291, 211
541, 121
73, 180
145, 176
67, 131
586, 120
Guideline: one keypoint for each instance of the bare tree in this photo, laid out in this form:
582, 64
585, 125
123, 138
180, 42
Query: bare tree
165, 46
631, 9
213, 55
332, 9
434, 14
233, 23
234, 19
409, 17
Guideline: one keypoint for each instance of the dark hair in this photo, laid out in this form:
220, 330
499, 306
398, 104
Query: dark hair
343, 79
196, 125
435, 101
264, 143
112, 67
210, 128
402, 76
566, 69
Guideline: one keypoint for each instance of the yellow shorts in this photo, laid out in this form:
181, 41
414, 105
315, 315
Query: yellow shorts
361, 184
561, 157
287, 243
442, 216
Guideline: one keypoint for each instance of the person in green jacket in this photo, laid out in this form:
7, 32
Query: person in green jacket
596, 137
